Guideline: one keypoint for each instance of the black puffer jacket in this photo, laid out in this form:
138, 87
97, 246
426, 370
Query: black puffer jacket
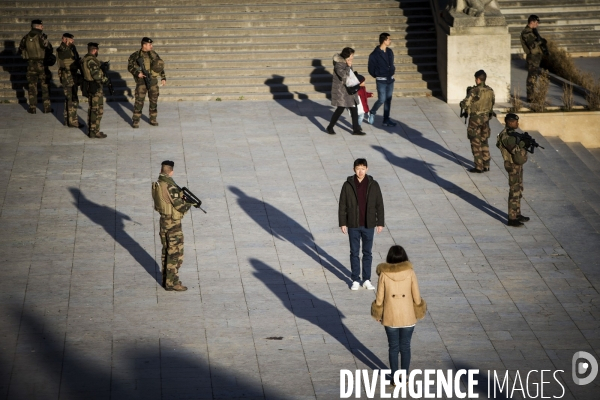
348, 209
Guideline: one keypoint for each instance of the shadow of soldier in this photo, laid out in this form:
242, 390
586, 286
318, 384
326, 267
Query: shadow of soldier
15, 66
120, 101
113, 223
427, 172
102, 367
302, 304
282, 227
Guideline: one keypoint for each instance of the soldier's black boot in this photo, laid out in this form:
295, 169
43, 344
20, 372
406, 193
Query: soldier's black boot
153, 123
475, 171
48, 110
31, 110
522, 218
514, 222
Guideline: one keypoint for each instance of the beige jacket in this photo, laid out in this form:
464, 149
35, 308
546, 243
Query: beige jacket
397, 290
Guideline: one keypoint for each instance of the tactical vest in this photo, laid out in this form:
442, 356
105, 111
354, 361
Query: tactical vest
526, 49
87, 74
485, 102
520, 156
34, 49
505, 153
148, 64
67, 62
162, 201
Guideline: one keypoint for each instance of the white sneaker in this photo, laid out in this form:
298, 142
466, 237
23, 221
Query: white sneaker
355, 286
367, 285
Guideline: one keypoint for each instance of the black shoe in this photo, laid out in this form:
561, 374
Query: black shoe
153, 123
522, 218
79, 125
359, 133
475, 171
330, 131
48, 110
486, 169
514, 222
31, 110
389, 122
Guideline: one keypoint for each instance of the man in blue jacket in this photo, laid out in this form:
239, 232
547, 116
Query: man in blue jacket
382, 68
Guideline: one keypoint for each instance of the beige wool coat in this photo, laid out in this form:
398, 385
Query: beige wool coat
397, 290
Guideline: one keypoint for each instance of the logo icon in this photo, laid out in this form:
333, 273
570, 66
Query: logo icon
580, 368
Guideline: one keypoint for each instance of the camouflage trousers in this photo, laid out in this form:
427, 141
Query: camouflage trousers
533, 71
71, 98
140, 96
95, 112
478, 132
171, 237
515, 189
37, 72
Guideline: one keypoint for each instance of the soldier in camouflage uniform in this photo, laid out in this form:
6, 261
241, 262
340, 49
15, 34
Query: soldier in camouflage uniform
515, 156
155, 66
70, 78
172, 206
33, 48
479, 103
94, 79
533, 45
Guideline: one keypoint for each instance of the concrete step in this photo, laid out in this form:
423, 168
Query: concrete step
571, 182
172, 3
586, 156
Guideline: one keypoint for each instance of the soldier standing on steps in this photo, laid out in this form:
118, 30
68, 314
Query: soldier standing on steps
534, 47
172, 206
33, 48
69, 63
479, 103
94, 79
514, 154
154, 66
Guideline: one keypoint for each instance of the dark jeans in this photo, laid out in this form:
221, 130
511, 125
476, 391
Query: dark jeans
338, 112
399, 342
356, 235
385, 91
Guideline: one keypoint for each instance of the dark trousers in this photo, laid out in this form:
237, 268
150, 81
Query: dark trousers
338, 112
399, 343
385, 91
356, 235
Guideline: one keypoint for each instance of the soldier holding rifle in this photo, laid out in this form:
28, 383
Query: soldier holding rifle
146, 67
94, 79
70, 78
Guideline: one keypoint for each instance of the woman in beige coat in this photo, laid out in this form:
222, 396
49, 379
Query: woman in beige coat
398, 305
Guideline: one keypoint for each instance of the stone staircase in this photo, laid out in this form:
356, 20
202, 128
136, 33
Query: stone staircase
572, 24
230, 49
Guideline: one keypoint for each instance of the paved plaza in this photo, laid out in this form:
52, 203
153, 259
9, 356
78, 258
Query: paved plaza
268, 313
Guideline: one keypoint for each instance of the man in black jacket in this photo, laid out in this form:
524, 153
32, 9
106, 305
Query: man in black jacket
382, 68
360, 214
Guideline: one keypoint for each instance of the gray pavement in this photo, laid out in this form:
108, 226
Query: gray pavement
268, 313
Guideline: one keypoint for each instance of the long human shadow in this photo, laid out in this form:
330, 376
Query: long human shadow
280, 225
427, 172
321, 314
119, 102
113, 223
13, 65
67, 369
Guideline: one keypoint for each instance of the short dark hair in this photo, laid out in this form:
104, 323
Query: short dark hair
481, 75
346, 52
533, 18
396, 255
360, 161
383, 37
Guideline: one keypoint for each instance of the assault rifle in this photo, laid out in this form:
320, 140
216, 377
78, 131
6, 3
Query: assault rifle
192, 198
147, 78
78, 78
464, 113
544, 43
530, 143
105, 66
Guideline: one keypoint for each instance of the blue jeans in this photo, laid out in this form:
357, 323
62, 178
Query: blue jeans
399, 342
356, 235
385, 91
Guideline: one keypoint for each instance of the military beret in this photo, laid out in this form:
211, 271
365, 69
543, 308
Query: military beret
169, 163
68, 35
147, 40
511, 117
36, 22
92, 45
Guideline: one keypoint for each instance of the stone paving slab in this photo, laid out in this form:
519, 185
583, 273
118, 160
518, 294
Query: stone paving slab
268, 313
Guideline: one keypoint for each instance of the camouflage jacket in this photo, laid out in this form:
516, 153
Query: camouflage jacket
68, 58
149, 56
41, 38
175, 193
509, 141
531, 41
91, 69
479, 100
